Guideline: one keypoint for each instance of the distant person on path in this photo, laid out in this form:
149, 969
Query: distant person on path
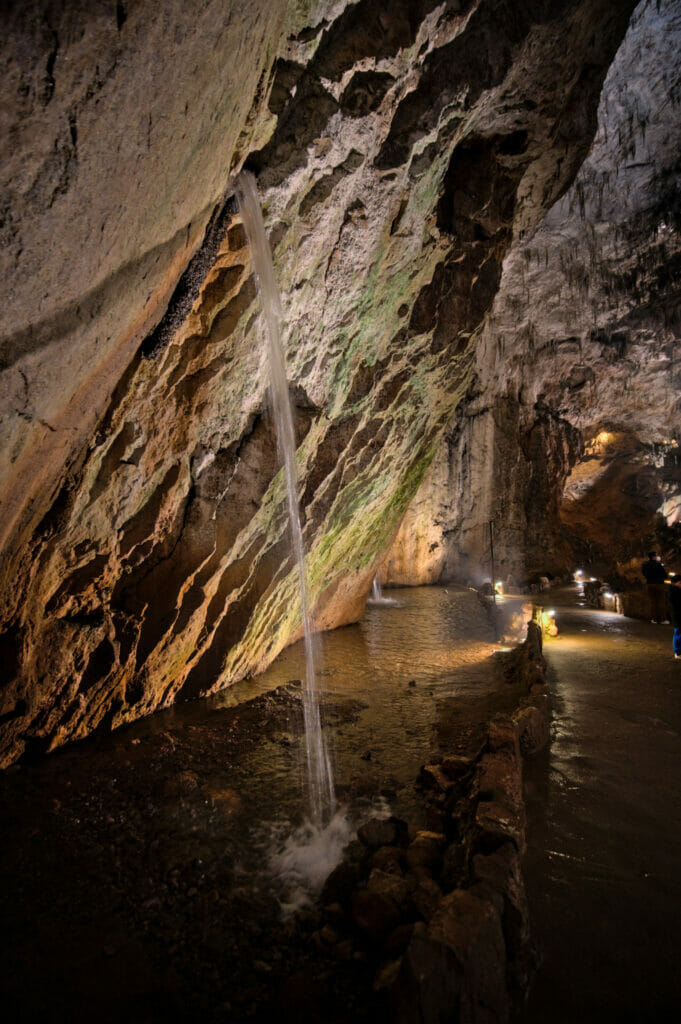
654, 573
674, 598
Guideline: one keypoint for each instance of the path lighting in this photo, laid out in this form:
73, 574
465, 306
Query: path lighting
607, 595
547, 621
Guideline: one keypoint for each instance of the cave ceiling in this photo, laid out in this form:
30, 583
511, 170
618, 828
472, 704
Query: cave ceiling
464, 292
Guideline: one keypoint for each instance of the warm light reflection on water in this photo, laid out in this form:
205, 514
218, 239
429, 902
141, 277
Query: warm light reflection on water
385, 682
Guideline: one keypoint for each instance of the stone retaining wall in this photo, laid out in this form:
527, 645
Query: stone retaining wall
443, 911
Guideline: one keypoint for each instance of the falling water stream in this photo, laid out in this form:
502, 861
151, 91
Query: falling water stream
321, 794
377, 595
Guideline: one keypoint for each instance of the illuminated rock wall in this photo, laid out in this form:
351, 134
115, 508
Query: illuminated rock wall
583, 335
401, 148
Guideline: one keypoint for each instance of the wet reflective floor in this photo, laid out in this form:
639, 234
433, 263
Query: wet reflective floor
134, 866
411, 679
604, 842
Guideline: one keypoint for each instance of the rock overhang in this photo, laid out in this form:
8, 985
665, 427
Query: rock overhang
161, 568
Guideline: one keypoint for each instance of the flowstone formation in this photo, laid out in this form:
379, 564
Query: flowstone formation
576, 364
400, 149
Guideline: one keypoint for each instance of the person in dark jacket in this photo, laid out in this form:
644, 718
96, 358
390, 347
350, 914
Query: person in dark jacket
655, 574
674, 598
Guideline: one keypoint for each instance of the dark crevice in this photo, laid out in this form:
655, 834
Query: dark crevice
69, 318
364, 92
100, 663
10, 653
188, 287
256, 576
73, 131
48, 89
370, 29
301, 121
18, 711
76, 583
142, 525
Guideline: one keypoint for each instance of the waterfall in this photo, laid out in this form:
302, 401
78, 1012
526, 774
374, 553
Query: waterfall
319, 778
377, 595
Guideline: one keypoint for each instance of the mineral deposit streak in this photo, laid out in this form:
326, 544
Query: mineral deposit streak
319, 777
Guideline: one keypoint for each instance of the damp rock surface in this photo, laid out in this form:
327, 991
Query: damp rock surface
574, 366
145, 556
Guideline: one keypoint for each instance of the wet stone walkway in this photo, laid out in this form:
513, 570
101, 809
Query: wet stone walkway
604, 839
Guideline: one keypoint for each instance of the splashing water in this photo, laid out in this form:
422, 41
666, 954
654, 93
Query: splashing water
319, 777
377, 595
304, 860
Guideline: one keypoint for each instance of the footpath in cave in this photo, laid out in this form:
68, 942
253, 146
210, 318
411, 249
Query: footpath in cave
604, 842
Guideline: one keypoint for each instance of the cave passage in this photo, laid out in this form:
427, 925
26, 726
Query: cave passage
474, 217
135, 868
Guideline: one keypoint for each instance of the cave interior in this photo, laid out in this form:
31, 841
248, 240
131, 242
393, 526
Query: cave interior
474, 213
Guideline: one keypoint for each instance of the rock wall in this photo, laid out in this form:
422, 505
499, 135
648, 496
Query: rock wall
400, 149
582, 337
441, 914
619, 502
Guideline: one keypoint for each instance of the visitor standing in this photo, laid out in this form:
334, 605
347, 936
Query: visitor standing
654, 573
674, 597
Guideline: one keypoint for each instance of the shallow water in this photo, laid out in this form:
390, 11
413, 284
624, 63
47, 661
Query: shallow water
385, 684
136, 867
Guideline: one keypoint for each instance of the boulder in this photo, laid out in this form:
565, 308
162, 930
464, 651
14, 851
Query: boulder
501, 870
503, 732
454, 968
389, 859
456, 765
424, 853
433, 776
533, 727
382, 832
500, 779
495, 824
390, 886
426, 897
374, 914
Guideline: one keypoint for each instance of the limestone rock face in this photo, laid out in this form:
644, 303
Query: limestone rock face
581, 339
121, 123
400, 148
618, 488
